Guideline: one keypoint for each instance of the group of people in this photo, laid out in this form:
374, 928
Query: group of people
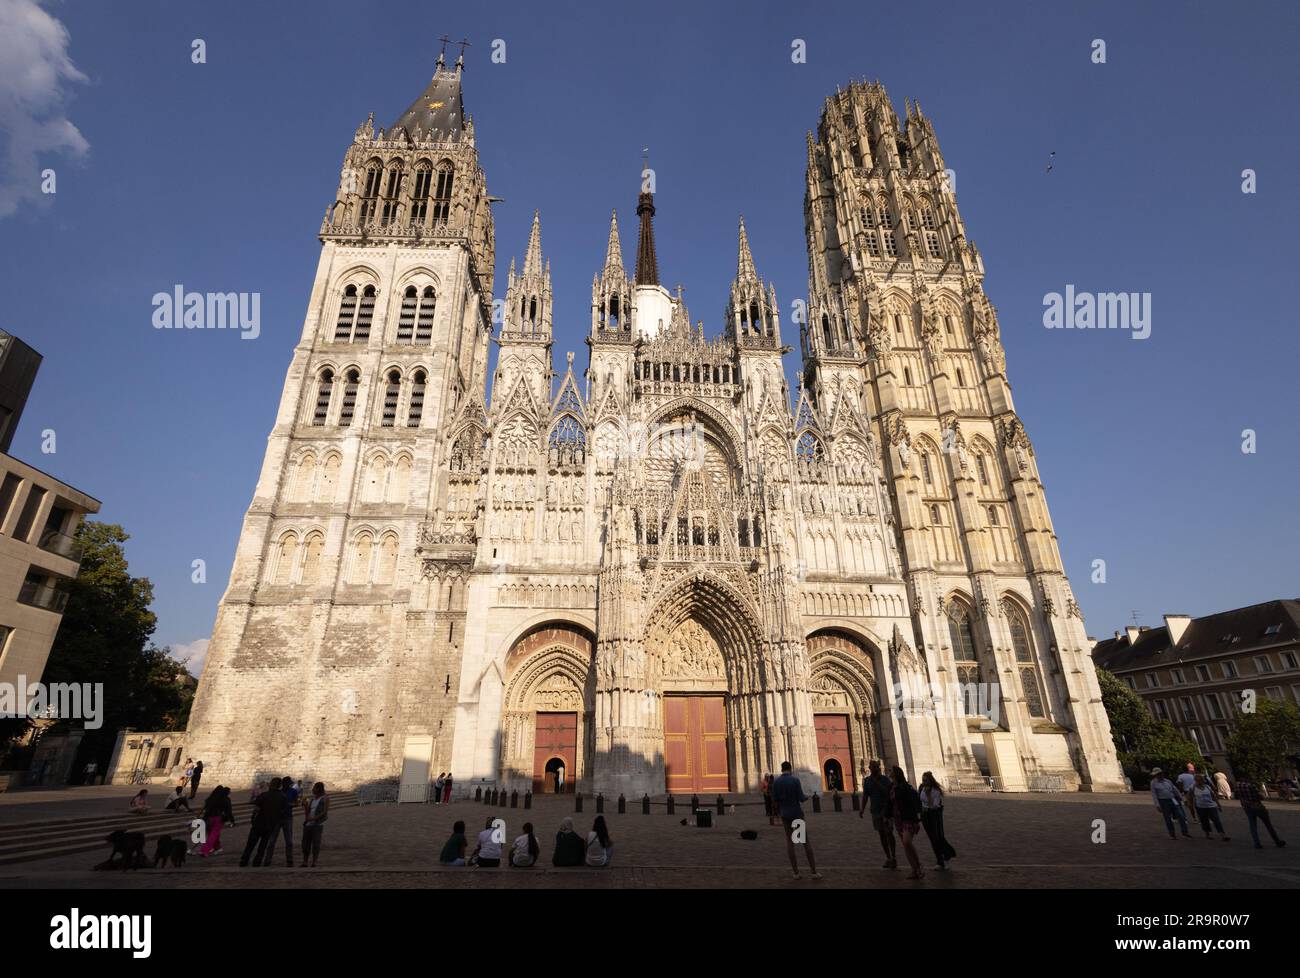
489, 850
273, 814
1201, 796
442, 789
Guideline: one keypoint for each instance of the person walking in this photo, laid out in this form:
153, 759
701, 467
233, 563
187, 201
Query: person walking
437, 787
1169, 802
269, 811
188, 773
906, 804
1207, 807
787, 796
195, 777
932, 820
1186, 782
569, 848
1253, 805
217, 814
88, 775
525, 850
768, 808
446, 789
1222, 786
286, 826
600, 848
875, 796
316, 810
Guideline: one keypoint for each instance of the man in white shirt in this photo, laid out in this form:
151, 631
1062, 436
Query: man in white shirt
488, 851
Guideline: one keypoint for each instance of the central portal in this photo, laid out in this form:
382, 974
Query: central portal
695, 743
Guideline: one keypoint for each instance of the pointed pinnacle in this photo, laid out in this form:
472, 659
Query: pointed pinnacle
614, 249
745, 265
533, 257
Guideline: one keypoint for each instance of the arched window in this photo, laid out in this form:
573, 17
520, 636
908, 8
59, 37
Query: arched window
324, 391
304, 474
926, 472
284, 559
1022, 646
424, 321
406, 318
399, 483
350, 386
386, 565
567, 444
808, 448
355, 315
312, 547
392, 194
361, 554
869, 222
994, 519
961, 378
982, 467
827, 334
932, 246
420, 193
936, 518
416, 408
392, 394
370, 195
442, 193
329, 479
964, 649
887, 229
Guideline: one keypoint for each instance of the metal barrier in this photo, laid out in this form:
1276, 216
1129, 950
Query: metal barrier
376, 794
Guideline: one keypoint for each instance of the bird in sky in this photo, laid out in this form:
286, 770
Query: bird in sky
1051, 161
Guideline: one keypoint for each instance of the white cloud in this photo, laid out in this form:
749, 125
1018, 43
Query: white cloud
34, 68
192, 655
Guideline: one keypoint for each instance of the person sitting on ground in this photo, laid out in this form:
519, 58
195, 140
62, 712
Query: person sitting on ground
569, 847
453, 850
526, 850
178, 801
140, 803
599, 847
487, 853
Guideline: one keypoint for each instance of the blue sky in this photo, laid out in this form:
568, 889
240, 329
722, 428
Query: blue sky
216, 176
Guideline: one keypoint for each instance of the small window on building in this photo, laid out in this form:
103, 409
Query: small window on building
1229, 670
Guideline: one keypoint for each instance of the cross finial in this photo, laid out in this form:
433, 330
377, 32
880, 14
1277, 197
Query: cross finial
442, 54
464, 43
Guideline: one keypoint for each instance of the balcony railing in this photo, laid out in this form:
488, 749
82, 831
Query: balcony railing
43, 596
61, 544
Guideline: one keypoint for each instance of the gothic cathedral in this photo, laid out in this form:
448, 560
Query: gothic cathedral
671, 572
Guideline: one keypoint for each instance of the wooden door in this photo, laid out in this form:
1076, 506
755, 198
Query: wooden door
695, 744
556, 736
833, 744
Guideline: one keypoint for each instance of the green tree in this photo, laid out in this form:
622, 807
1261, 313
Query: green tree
1263, 743
105, 637
1142, 741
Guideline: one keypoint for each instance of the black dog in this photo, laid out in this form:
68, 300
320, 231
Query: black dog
131, 847
169, 850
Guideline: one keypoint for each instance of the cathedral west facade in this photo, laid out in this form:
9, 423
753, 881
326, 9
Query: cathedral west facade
674, 570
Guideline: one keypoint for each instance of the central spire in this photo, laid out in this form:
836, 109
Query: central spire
647, 266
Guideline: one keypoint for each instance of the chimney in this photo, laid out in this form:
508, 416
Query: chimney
1132, 631
1177, 625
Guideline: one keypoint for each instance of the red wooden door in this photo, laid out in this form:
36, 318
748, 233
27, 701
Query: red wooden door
556, 737
695, 744
833, 745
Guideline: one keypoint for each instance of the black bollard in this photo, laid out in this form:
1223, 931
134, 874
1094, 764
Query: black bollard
645, 804
600, 804
577, 803
672, 804
478, 793
504, 799
528, 799
622, 804
719, 804
817, 802
493, 797
856, 803
837, 801
514, 798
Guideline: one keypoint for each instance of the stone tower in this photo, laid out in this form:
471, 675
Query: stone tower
898, 320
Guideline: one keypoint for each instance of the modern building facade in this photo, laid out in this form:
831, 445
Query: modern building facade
673, 570
1199, 673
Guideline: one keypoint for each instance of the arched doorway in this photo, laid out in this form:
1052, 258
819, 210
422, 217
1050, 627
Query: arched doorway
548, 709
554, 777
845, 707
